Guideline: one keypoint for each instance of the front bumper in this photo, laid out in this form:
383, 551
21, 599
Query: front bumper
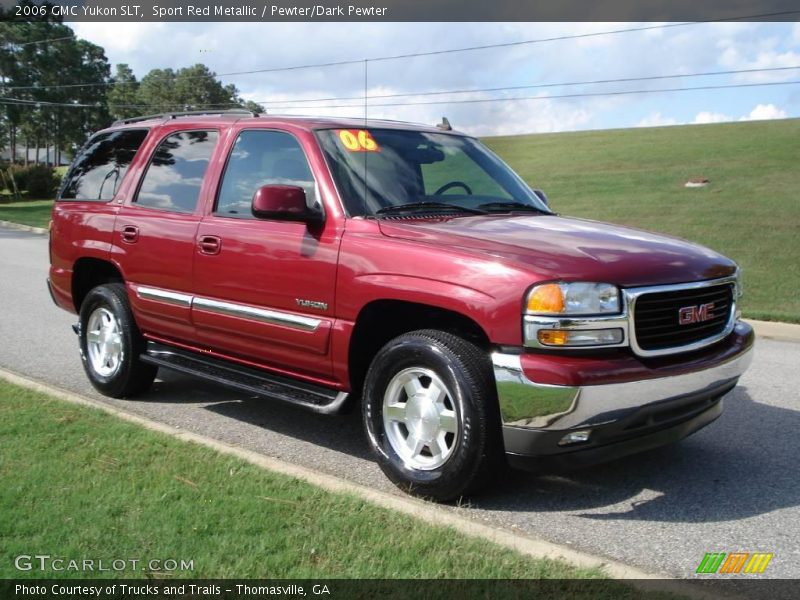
654, 406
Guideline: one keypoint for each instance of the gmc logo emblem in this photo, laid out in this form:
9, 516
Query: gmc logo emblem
695, 314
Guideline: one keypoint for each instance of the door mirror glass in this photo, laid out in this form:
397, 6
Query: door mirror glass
283, 202
542, 196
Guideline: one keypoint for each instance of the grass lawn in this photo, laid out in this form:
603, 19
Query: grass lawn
29, 212
750, 211
80, 483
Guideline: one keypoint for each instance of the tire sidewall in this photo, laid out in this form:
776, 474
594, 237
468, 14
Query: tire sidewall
420, 351
107, 297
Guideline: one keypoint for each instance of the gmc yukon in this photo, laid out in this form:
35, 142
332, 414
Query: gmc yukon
400, 268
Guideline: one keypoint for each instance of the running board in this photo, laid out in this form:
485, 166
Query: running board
313, 397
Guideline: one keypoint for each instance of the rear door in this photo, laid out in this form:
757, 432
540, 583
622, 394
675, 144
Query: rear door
264, 289
155, 232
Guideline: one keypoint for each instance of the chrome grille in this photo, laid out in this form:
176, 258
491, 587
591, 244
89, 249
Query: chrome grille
657, 323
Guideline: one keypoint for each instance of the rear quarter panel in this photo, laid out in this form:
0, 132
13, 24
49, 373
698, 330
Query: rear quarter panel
80, 230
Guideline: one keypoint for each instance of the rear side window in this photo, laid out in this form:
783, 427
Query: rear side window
99, 168
175, 174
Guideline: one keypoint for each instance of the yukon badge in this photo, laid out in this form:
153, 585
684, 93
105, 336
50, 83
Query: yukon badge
311, 304
695, 314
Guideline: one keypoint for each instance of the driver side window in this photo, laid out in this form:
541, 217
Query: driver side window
458, 167
261, 158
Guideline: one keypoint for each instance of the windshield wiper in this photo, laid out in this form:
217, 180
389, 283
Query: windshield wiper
411, 206
511, 206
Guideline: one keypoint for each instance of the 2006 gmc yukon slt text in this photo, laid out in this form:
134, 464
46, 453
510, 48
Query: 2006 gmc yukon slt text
400, 267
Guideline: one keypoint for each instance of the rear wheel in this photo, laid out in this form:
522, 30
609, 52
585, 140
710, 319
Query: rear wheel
111, 344
430, 412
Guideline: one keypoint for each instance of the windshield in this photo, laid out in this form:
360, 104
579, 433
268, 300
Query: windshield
378, 171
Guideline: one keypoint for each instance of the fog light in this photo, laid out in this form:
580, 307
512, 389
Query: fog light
575, 437
584, 337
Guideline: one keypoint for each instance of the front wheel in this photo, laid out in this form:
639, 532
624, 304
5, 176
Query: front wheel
431, 416
111, 344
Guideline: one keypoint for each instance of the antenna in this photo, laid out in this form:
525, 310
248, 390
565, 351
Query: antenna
444, 125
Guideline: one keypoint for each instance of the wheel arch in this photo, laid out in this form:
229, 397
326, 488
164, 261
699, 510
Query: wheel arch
382, 320
88, 273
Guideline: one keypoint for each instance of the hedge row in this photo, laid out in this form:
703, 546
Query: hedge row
40, 181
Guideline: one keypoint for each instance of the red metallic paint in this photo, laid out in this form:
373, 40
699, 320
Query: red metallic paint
80, 230
281, 201
552, 247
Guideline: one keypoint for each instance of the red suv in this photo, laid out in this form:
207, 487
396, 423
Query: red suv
402, 268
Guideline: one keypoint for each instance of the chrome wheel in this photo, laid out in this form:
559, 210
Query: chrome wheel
104, 342
419, 418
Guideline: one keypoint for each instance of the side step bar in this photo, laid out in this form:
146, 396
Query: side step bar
316, 398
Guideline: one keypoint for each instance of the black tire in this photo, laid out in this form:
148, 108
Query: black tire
127, 376
475, 450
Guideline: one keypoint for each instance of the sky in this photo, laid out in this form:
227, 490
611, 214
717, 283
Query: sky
673, 50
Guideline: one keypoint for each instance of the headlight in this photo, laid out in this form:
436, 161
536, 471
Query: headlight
573, 299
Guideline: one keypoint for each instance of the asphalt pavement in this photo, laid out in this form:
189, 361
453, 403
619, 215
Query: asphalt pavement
731, 487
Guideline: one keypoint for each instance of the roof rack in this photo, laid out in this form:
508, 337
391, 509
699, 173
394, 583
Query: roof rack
187, 113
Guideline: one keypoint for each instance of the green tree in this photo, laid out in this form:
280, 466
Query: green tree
190, 88
157, 91
253, 106
123, 94
38, 58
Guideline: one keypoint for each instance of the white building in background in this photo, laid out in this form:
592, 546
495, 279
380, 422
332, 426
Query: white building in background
46, 155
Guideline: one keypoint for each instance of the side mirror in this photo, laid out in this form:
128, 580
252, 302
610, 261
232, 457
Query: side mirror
283, 202
542, 196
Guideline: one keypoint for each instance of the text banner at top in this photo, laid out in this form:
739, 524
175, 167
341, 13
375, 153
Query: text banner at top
404, 10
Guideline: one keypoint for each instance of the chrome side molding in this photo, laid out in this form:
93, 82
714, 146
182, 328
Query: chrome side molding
244, 311
254, 313
167, 296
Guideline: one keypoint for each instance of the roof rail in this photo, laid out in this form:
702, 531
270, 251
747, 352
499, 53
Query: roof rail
187, 113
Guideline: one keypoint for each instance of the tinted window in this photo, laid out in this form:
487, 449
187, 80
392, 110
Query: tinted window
99, 168
377, 169
456, 173
176, 171
261, 158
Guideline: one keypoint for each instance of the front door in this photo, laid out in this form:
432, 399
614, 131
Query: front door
264, 289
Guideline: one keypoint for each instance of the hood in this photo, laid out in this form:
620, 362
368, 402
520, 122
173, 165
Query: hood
569, 249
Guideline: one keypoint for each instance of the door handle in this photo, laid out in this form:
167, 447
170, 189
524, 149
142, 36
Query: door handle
209, 244
130, 234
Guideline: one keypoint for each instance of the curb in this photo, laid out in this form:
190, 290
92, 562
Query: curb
775, 330
419, 509
21, 227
